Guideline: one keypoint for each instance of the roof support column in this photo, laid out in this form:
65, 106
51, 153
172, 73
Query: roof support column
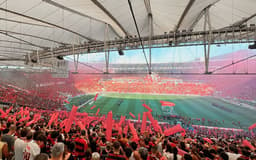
76, 59
106, 38
150, 24
209, 40
150, 18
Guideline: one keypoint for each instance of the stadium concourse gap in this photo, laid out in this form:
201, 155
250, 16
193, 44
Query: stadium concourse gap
219, 112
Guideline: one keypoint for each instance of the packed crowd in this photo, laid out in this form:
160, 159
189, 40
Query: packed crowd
144, 85
40, 141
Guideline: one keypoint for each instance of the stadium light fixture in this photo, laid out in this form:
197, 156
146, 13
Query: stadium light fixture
252, 46
120, 52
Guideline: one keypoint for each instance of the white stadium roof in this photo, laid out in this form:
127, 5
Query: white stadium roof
29, 25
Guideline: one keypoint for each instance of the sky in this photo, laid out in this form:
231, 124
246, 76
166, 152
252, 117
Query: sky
163, 55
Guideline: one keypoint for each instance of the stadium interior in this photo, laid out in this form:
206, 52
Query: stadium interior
127, 79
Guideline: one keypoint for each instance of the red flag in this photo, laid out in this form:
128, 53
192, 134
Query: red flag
252, 126
122, 119
166, 103
21, 112
24, 119
70, 119
133, 116
53, 117
248, 144
3, 114
63, 123
174, 130
181, 152
208, 140
81, 125
153, 122
125, 129
9, 109
119, 130
109, 126
150, 117
36, 117
144, 121
159, 127
84, 114
30, 122
66, 101
133, 130
147, 107
172, 144
97, 112
96, 96
93, 107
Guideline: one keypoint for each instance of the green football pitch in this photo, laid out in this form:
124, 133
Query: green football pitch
186, 106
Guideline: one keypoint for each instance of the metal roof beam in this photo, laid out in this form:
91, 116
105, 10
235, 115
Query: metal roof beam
8, 55
98, 4
239, 23
200, 15
12, 59
14, 42
71, 10
151, 30
14, 52
183, 39
186, 10
34, 36
22, 40
48, 23
75, 12
28, 23
25, 49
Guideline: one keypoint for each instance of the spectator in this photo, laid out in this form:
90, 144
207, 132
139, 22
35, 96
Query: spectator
187, 157
81, 144
41, 156
233, 152
3, 148
224, 156
94, 146
20, 144
57, 151
135, 153
128, 153
95, 156
116, 154
143, 153
32, 148
69, 148
9, 139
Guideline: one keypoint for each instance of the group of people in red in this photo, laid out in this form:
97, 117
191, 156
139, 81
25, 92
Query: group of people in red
33, 138
146, 85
